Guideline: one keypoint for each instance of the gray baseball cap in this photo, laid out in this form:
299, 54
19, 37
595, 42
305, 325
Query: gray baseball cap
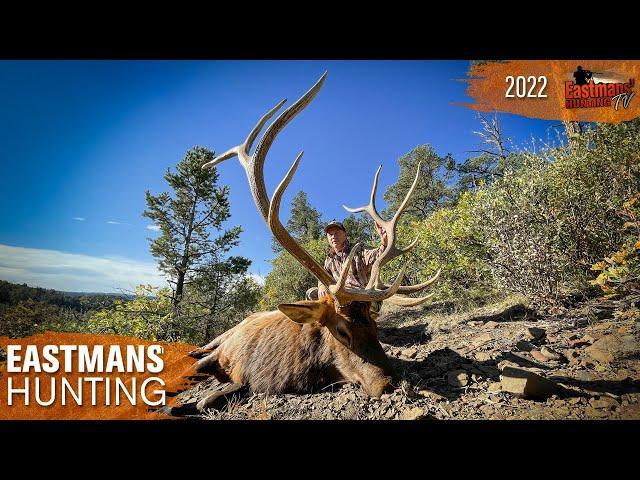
334, 223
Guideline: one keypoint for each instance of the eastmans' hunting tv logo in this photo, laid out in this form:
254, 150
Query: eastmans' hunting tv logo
597, 89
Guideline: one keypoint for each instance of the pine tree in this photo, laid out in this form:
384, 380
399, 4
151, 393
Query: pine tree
432, 190
185, 251
305, 222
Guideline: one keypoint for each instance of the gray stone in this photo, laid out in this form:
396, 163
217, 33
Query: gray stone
613, 347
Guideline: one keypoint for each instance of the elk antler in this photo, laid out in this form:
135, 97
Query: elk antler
391, 251
254, 164
269, 210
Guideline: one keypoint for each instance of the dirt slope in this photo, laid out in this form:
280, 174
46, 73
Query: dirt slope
491, 363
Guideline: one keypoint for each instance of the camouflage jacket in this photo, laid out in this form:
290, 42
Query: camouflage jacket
360, 268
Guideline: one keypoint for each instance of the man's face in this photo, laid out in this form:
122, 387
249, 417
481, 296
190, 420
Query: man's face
336, 238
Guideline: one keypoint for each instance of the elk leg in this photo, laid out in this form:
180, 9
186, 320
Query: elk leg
211, 346
218, 400
210, 364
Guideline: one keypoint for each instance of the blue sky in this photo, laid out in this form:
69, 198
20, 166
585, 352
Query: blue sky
85, 139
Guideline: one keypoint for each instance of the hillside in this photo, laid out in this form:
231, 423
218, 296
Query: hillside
487, 364
25, 310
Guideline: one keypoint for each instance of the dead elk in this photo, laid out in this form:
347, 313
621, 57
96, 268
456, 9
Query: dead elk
307, 345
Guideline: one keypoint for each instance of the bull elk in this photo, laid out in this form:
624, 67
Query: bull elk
304, 346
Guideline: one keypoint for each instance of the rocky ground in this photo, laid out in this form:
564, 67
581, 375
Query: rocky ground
498, 362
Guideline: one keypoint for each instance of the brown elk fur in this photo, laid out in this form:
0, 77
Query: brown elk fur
304, 350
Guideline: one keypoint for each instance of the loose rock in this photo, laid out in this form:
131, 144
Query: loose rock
535, 333
483, 356
537, 354
415, 413
524, 346
431, 395
603, 402
409, 352
527, 384
458, 378
610, 347
552, 354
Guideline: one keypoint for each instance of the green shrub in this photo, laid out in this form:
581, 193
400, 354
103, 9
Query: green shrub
451, 238
620, 272
549, 221
289, 280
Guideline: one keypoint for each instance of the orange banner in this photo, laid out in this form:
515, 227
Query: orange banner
567, 90
71, 376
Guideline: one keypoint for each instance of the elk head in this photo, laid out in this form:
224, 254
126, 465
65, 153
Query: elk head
352, 341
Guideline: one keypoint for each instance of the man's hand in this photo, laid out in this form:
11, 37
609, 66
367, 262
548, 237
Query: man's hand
322, 292
382, 233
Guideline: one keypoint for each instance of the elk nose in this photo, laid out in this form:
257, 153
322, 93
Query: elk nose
380, 386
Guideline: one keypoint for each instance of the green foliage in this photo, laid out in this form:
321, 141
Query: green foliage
186, 218
538, 225
148, 315
152, 315
360, 230
549, 221
620, 272
288, 280
210, 288
28, 317
432, 190
451, 238
28, 310
305, 222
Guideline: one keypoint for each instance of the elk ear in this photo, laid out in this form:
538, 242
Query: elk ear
303, 312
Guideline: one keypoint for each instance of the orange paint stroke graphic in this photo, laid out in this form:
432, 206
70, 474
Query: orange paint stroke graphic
176, 374
488, 85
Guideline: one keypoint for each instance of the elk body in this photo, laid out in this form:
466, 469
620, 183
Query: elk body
307, 345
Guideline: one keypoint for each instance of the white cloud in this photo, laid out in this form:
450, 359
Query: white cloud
75, 272
258, 278
113, 222
155, 228
80, 219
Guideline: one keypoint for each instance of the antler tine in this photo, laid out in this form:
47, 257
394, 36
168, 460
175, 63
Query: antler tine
408, 301
345, 270
391, 251
242, 150
248, 143
283, 119
417, 287
407, 196
254, 164
371, 208
285, 239
347, 295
